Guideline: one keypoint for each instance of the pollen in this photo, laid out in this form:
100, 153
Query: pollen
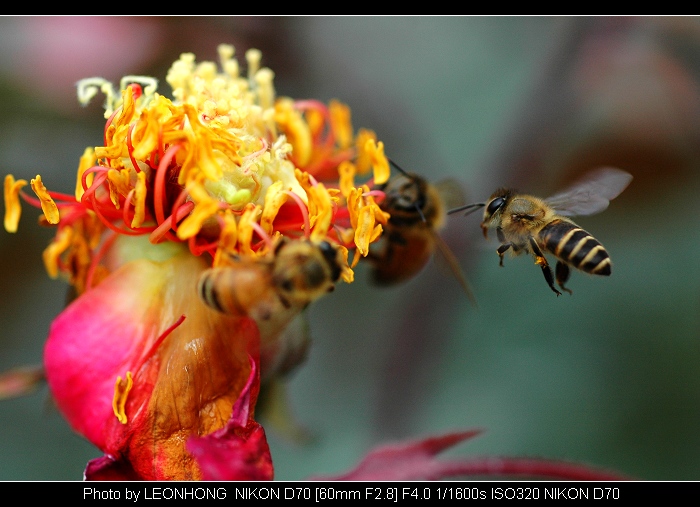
121, 393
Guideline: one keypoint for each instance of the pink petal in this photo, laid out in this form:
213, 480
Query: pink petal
107, 468
412, 460
415, 460
239, 451
186, 385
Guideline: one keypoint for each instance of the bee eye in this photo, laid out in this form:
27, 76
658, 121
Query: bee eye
330, 255
495, 205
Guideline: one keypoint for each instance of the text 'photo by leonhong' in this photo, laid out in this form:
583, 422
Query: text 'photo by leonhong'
205, 225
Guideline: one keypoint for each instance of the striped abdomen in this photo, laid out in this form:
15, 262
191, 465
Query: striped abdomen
574, 246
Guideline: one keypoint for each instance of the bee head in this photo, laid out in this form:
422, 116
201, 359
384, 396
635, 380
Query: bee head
493, 208
304, 270
405, 199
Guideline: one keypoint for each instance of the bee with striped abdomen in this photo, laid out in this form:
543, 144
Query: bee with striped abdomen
525, 223
273, 290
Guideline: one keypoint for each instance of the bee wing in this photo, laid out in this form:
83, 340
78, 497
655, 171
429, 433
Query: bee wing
452, 192
446, 253
592, 194
20, 381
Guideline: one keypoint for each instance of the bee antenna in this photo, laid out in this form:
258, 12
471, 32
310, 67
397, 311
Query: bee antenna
470, 208
420, 211
396, 166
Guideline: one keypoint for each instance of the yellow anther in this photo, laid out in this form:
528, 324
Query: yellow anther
53, 252
274, 199
119, 184
140, 201
193, 223
380, 164
367, 229
347, 274
321, 221
121, 393
47, 205
295, 128
87, 161
227, 239
13, 208
340, 123
363, 160
245, 229
346, 170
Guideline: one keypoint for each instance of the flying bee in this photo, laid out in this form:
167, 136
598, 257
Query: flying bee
525, 223
417, 212
273, 290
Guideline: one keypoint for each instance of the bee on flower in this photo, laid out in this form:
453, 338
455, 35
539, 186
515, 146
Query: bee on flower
199, 230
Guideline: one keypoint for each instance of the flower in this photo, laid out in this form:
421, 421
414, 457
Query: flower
186, 194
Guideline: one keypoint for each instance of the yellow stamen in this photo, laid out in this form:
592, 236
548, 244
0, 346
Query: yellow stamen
366, 230
87, 161
13, 208
227, 239
245, 228
340, 123
295, 128
305, 181
274, 199
363, 160
346, 170
316, 121
140, 198
380, 164
200, 155
119, 184
53, 252
191, 225
321, 222
47, 205
265, 89
145, 135
121, 393
366, 217
347, 274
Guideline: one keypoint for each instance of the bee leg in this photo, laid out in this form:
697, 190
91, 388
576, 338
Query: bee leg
562, 273
502, 250
499, 234
542, 262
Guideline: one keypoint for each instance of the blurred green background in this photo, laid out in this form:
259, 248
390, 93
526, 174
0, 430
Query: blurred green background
607, 377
